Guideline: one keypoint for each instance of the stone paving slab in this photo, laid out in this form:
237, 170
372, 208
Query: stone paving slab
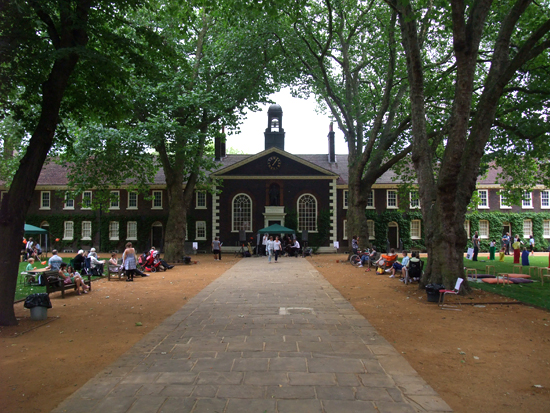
261, 338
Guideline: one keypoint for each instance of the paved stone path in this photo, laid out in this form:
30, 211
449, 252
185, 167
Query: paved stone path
262, 338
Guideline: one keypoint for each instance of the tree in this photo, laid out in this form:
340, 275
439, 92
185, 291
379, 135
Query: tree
498, 49
348, 56
50, 51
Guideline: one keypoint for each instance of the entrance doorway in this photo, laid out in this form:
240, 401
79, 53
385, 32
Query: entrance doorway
157, 236
393, 235
506, 228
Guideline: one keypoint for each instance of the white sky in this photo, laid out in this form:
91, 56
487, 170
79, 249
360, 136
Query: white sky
306, 131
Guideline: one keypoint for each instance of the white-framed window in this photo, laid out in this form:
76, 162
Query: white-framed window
545, 199
416, 229
370, 228
370, 200
345, 195
345, 226
483, 195
87, 200
307, 213
527, 228
115, 200
131, 230
483, 229
69, 202
68, 230
132, 200
414, 200
546, 228
391, 199
201, 200
114, 231
242, 213
467, 228
45, 200
200, 230
504, 202
157, 200
527, 201
86, 230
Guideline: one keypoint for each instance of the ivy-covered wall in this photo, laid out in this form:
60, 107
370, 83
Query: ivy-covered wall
403, 220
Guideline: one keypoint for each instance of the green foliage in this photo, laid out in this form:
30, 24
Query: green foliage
291, 219
403, 222
323, 229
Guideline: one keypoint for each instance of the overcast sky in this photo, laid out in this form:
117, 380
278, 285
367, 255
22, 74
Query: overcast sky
306, 131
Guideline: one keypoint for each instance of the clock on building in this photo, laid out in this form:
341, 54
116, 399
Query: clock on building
274, 163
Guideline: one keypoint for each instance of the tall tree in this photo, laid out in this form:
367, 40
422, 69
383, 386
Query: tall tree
496, 50
50, 52
348, 54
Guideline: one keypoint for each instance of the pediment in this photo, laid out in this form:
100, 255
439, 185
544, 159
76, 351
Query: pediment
273, 163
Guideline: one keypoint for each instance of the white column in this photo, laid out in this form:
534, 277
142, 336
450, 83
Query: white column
334, 207
215, 214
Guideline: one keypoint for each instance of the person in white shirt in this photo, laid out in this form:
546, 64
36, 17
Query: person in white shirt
277, 247
264, 244
270, 246
295, 248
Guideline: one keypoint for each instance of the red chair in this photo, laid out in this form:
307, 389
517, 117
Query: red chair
455, 291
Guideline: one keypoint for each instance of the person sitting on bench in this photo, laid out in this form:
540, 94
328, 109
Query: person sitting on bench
295, 248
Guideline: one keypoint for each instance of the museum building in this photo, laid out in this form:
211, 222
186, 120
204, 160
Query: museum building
307, 193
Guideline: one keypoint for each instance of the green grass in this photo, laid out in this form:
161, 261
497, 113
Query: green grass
22, 291
534, 293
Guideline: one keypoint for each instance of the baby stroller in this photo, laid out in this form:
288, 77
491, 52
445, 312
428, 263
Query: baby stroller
152, 262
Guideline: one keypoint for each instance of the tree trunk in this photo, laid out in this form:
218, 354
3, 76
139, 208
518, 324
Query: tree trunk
177, 220
357, 204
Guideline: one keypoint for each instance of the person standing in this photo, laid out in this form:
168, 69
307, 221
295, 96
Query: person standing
517, 249
270, 246
277, 247
54, 263
532, 244
506, 243
129, 261
475, 240
216, 246
492, 250
264, 244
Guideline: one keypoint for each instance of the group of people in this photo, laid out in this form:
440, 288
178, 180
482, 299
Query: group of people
290, 246
31, 249
517, 246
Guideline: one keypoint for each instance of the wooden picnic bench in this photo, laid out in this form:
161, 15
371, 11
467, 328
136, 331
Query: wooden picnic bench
54, 283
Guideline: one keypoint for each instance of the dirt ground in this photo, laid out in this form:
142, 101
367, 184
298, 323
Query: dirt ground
480, 359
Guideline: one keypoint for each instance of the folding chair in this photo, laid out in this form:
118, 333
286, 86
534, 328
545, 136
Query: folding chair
455, 291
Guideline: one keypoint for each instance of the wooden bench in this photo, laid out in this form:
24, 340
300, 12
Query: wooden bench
115, 271
59, 285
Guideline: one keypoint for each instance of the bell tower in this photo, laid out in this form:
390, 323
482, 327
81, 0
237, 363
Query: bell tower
274, 133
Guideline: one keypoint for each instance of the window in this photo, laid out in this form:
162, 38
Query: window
45, 200
307, 213
69, 202
546, 228
483, 195
483, 229
527, 201
345, 226
345, 200
157, 199
391, 197
200, 230
504, 202
416, 232
370, 200
68, 231
467, 228
113, 230
115, 200
545, 199
132, 200
86, 230
527, 227
87, 200
131, 230
242, 213
370, 228
201, 200
414, 200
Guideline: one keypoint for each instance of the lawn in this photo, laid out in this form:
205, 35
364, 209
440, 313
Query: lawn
534, 294
22, 290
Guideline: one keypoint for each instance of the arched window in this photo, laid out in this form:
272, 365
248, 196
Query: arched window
307, 213
242, 213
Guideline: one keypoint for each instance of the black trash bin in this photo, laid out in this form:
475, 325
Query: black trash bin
38, 304
433, 292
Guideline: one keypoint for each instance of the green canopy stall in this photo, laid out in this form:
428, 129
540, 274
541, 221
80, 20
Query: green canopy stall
276, 229
32, 230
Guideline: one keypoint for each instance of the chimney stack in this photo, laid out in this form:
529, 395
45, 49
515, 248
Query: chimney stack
219, 146
331, 149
